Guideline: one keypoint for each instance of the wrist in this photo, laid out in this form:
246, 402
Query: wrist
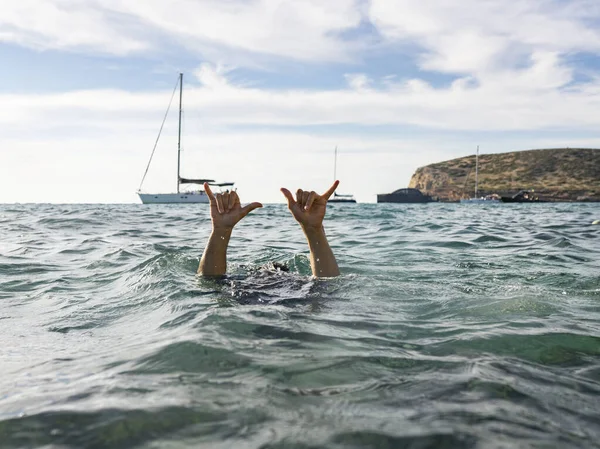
313, 230
224, 232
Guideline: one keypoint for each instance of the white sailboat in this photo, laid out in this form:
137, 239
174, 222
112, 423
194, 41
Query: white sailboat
338, 198
180, 196
476, 199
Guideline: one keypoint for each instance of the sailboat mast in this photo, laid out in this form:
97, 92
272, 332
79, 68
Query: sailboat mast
476, 171
335, 164
179, 132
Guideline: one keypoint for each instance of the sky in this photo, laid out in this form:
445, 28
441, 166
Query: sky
271, 87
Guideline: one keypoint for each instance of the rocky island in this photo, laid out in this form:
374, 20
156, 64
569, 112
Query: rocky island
561, 174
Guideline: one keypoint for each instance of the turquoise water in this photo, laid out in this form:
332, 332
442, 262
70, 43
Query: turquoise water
452, 326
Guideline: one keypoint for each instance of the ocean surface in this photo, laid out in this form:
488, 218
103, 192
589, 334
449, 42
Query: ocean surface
452, 326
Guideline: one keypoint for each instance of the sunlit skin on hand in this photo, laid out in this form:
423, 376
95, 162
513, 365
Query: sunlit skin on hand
225, 208
309, 210
309, 207
225, 212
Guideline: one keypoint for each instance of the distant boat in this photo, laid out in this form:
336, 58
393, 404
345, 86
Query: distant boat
523, 196
477, 199
407, 195
186, 196
338, 198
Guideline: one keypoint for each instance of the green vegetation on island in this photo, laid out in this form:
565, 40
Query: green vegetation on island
562, 174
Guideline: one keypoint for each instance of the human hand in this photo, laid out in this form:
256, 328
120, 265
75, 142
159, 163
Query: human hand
226, 210
309, 207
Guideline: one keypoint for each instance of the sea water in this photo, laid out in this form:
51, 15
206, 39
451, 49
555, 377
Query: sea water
451, 326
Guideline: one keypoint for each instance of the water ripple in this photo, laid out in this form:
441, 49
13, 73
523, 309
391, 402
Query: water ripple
451, 326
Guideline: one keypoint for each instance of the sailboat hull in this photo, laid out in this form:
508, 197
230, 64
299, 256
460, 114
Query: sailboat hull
174, 198
341, 200
480, 201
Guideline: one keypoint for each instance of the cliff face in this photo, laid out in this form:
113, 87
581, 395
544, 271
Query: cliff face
564, 174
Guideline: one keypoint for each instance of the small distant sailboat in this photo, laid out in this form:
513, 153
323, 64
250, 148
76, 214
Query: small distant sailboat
337, 198
186, 196
484, 199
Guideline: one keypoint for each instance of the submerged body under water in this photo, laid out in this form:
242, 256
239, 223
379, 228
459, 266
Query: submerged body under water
451, 326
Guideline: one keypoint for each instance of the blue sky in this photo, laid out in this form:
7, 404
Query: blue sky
272, 86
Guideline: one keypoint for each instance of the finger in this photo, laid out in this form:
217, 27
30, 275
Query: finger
233, 199
211, 195
226, 201
305, 196
331, 189
311, 198
220, 203
249, 208
299, 194
288, 196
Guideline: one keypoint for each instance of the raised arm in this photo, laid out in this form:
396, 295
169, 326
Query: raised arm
225, 212
309, 210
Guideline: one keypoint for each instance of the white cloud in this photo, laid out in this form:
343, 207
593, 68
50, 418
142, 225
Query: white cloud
73, 24
475, 37
358, 81
521, 99
305, 31
465, 37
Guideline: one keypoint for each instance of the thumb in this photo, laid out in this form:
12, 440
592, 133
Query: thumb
209, 193
288, 195
249, 208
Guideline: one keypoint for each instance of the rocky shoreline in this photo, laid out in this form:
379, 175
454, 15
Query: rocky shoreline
556, 175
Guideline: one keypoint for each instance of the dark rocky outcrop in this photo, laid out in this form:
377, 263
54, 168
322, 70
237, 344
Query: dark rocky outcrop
562, 174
